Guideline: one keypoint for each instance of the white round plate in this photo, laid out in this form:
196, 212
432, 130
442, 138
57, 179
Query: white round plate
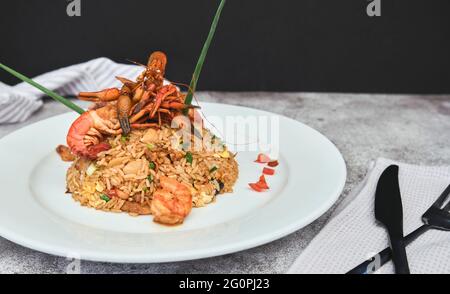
35, 211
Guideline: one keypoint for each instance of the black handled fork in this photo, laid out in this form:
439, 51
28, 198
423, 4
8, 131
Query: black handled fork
436, 217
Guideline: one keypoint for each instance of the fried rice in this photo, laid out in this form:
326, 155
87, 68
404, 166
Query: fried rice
124, 178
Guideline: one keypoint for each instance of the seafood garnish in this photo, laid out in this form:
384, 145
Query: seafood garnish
138, 93
172, 203
144, 103
86, 131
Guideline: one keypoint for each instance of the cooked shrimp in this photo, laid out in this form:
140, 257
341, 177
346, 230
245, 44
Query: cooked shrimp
172, 203
86, 131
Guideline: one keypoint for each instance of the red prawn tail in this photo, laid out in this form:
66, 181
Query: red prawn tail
94, 150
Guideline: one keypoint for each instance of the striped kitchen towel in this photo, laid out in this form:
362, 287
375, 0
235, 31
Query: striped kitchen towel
18, 102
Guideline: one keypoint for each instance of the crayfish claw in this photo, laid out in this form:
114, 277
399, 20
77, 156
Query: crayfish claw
104, 95
138, 107
125, 125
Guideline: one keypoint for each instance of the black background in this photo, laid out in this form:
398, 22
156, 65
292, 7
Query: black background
260, 45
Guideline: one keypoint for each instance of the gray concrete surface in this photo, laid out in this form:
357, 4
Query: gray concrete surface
414, 129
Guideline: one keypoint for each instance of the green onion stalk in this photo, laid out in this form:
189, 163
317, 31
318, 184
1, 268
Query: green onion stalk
201, 59
50, 93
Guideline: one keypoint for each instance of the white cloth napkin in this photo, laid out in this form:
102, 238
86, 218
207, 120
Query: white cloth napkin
352, 235
18, 102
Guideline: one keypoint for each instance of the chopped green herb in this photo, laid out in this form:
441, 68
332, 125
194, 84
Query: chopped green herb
123, 139
213, 169
150, 146
151, 165
145, 189
150, 178
189, 157
105, 197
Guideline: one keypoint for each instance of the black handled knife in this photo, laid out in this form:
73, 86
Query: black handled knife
389, 212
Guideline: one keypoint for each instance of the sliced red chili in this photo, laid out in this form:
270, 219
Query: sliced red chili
262, 182
268, 171
262, 158
255, 187
111, 193
273, 163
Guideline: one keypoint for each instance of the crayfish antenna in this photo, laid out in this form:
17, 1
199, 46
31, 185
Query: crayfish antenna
135, 62
126, 82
